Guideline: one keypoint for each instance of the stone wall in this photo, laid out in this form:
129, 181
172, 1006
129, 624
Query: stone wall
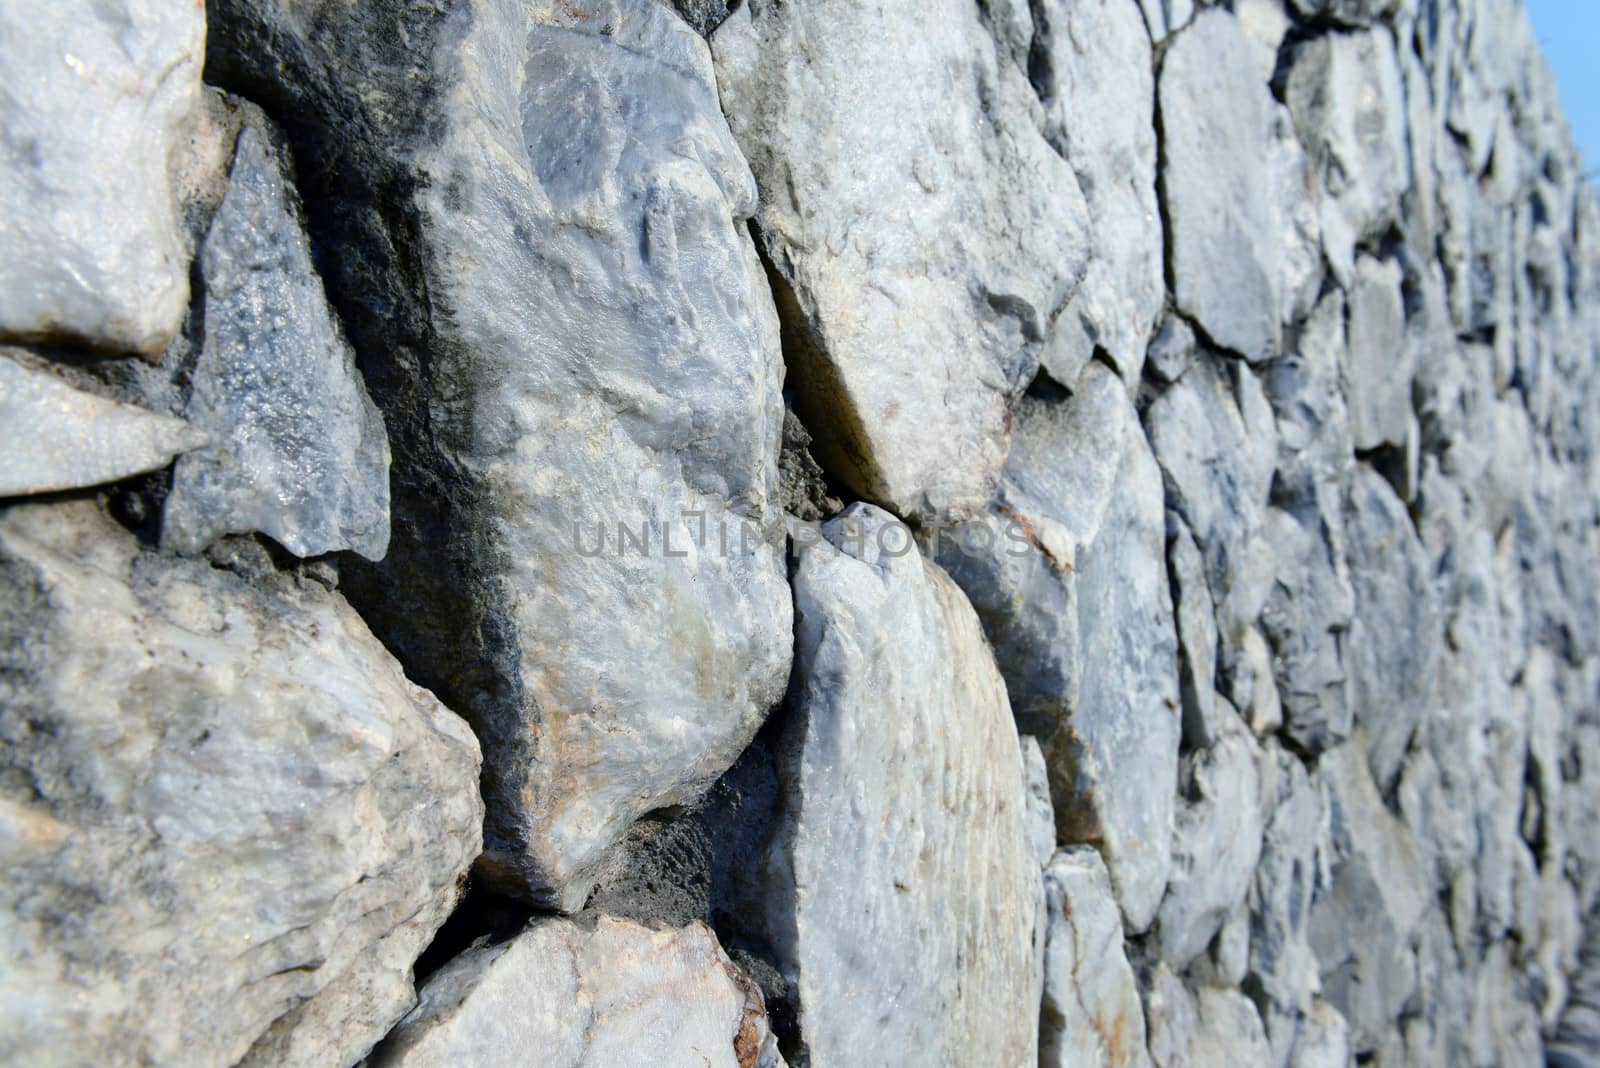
836, 532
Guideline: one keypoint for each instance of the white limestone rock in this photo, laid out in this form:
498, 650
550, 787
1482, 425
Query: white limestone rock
1345, 93
228, 818
55, 437
1233, 181
1092, 1016
565, 993
97, 93
1216, 843
1100, 115
569, 333
921, 279
901, 872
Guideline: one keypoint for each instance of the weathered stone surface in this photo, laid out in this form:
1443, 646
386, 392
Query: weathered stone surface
1114, 765
921, 280
902, 872
572, 336
1072, 589
1215, 845
1020, 568
1294, 846
96, 97
1210, 1028
1307, 619
1091, 1016
298, 450
1100, 115
1229, 173
1361, 930
1345, 93
1391, 679
1164, 17
1324, 1040
54, 437
1197, 634
564, 993
1217, 458
1376, 367
223, 803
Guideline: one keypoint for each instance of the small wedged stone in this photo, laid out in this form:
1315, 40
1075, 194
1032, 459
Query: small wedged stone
901, 872
1210, 1027
1197, 635
1092, 1016
229, 820
298, 449
564, 993
97, 93
54, 437
920, 281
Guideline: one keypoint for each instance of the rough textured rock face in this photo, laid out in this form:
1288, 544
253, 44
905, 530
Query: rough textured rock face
901, 872
96, 96
299, 452
958, 532
588, 440
61, 438
921, 281
614, 993
221, 800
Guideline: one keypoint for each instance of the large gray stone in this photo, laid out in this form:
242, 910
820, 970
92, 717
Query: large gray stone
1233, 179
1307, 619
54, 437
901, 873
1100, 115
298, 450
541, 258
97, 93
1018, 564
1070, 581
1215, 845
228, 818
1114, 765
1361, 930
607, 992
1092, 1016
1345, 93
1294, 845
1396, 631
1216, 453
920, 280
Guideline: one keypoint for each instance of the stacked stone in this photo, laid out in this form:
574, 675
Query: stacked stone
1198, 664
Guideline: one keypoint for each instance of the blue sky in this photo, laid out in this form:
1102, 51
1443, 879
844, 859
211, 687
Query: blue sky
1569, 32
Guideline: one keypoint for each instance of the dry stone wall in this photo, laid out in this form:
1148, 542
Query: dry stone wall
916, 532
